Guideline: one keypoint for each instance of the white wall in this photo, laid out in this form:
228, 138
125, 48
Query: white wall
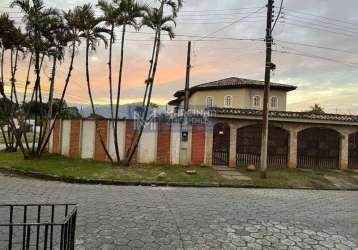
88, 139
66, 137
147, 149
175, 143
121, 131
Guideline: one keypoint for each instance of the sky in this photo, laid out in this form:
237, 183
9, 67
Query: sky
315, 49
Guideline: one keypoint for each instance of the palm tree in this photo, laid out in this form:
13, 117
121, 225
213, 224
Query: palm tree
8, 40
71, 34
58, 40
119, 13
93, 33
155, 20
110, 15
36, 19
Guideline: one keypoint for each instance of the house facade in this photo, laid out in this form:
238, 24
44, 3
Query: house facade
238, 93
296, 139
228, 135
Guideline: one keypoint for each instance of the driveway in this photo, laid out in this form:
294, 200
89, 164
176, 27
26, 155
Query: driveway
112, 217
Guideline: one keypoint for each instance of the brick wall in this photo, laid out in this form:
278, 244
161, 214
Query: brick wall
130, 133
56, 141
75, 140
163, 146
99, 152
198, 144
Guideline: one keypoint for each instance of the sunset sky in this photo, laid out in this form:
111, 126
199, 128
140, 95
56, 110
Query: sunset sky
327, 75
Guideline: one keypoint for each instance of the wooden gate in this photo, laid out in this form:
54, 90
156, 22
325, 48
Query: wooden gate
318, 148
221, 144
249, 146
353, 151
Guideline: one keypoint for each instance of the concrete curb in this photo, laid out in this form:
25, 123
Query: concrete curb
71, 180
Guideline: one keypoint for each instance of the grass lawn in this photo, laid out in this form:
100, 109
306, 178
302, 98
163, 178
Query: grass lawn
87, 169
301, 178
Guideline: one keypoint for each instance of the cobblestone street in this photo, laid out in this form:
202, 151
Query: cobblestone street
112, 217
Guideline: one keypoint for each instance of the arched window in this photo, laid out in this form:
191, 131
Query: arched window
256, 101
209, 101
274, 102
228, 101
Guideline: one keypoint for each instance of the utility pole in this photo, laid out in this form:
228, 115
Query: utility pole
187, 80
268, 67
184, 152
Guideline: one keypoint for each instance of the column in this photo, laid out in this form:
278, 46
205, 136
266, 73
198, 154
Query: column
232, 151
344, 152
292, 154
209, 145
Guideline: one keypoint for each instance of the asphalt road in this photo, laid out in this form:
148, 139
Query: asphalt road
112, 217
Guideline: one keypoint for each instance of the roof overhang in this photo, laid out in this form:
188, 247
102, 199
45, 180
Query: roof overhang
284, 116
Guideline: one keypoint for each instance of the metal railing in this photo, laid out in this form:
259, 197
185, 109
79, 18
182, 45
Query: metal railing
38, 226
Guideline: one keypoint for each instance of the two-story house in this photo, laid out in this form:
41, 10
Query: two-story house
234, 92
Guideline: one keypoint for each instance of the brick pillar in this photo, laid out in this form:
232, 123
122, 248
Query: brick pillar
198, 144
232, 148
292, 149
209, 145
56, 141
75, 139
99, 152
163, 146
130, 134
344, 152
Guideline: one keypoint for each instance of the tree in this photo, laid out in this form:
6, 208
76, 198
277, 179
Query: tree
119, 13
37, 20
93, 33
156, 20
316, 109
72, 22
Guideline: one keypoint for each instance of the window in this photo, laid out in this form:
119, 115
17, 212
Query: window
228, 101
274, 102
256, 103
209, 101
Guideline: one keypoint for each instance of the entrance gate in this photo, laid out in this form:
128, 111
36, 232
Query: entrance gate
353, 151
221, 144
249, 146
318, 148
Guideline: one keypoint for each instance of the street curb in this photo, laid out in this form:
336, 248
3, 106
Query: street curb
37, 175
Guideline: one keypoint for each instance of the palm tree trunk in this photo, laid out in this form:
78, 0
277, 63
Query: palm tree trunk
27, 80
110, 70
36, 91
119, 91
149, 96
114, 121
2, 64
14, 93
24, 99
4, 136
67, 81
150, 71
92, 103
50, 101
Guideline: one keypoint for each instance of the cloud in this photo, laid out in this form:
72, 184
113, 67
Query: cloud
329, 83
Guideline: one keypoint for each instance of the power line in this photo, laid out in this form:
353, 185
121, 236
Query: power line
322, 17
318, 47
317, 57
310, 22
227, 26
320, 29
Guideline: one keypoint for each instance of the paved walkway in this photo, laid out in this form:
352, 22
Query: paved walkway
113, 217
231, 173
